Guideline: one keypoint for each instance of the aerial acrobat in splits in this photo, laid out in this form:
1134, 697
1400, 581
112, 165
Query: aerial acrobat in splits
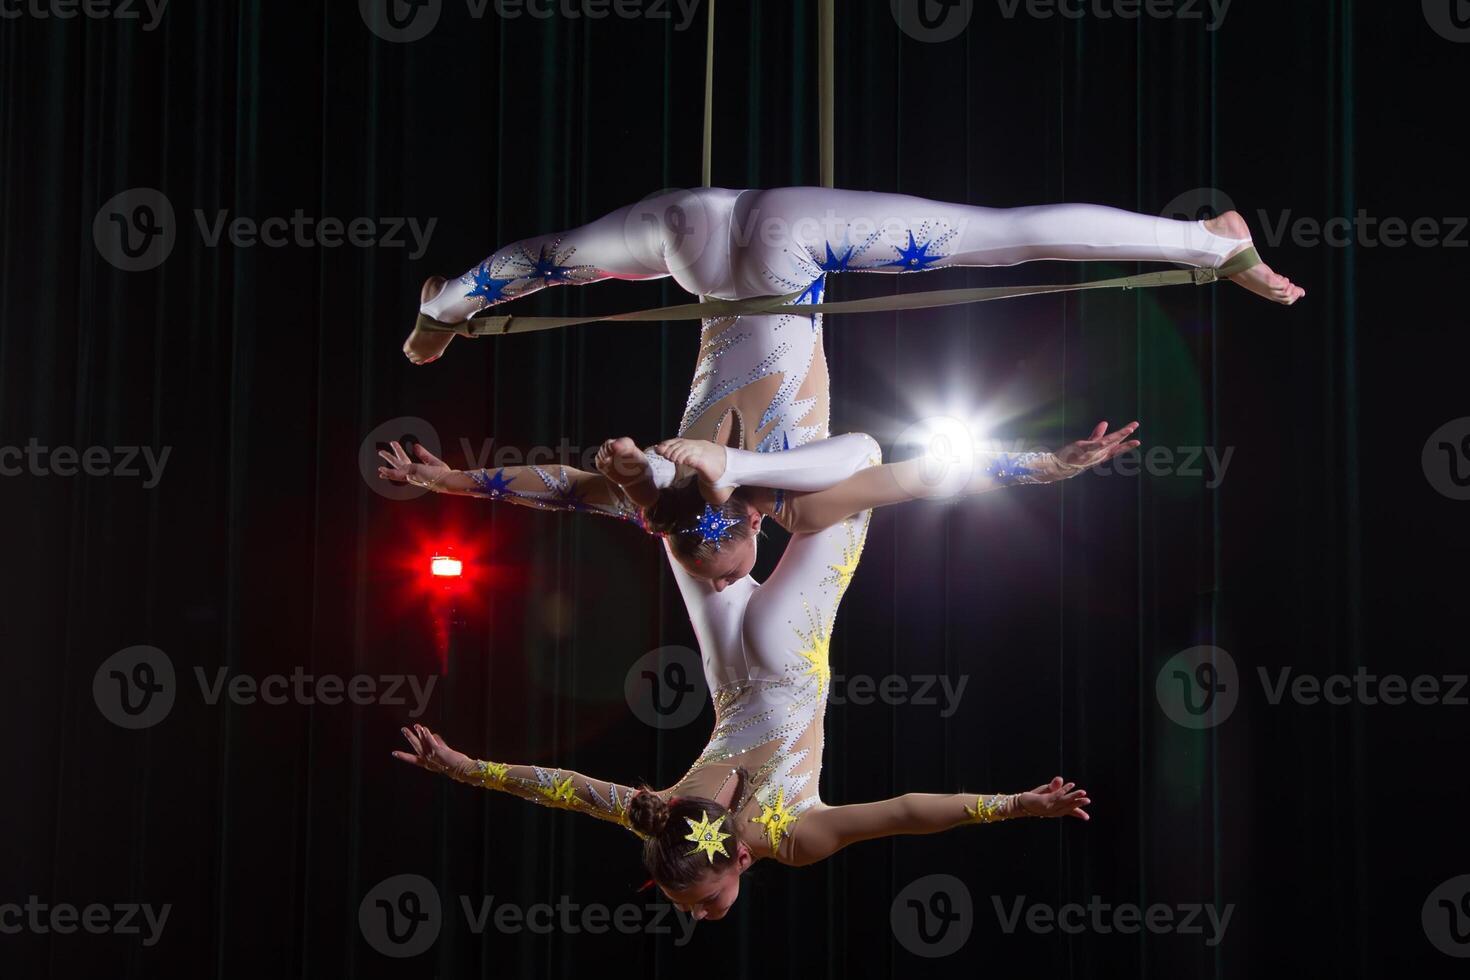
761, 384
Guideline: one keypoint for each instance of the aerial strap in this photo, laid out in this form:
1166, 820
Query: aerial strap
495, 326
826, 158
709, 95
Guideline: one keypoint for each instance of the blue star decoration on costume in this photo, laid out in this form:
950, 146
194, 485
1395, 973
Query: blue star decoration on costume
487, 287
493, 486
913, 256
712, 526
813, 294
547, 268
832, 263
569, 496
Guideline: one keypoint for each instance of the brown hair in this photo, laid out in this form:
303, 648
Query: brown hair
678, 510
666, 848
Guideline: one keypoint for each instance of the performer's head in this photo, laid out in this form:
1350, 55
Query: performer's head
714, 543
703, 887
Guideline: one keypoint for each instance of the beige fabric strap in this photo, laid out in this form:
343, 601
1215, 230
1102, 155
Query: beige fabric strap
709, 96
482, 326
825, 106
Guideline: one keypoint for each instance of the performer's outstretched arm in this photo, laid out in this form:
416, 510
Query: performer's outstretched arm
831, 501
562, 789
552, 487
825, 830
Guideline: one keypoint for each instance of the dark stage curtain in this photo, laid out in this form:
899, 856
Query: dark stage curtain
257, 546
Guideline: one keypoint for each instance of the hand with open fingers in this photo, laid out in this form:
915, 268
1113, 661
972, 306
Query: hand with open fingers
1096, 448
430, 752
1055, 799
428, 471
705, 458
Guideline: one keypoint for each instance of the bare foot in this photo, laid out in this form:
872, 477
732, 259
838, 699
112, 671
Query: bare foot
1259, 279
621, 461
706, 459
423, 346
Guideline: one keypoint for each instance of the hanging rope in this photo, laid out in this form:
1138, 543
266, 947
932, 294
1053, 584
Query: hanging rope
826, 157
709, 96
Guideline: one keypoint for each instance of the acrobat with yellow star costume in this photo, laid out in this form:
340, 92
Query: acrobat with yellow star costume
767, 649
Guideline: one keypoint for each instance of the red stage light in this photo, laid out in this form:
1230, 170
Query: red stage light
445, 567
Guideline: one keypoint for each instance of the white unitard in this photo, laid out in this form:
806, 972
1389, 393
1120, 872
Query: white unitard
738, 244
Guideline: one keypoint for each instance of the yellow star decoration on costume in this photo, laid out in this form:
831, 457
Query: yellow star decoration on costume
985, 811
817, 653
777, 819
845, 571
850, 554
493, 772
620, 812
707, 836
560, 794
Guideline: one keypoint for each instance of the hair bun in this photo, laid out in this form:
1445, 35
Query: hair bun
648, 813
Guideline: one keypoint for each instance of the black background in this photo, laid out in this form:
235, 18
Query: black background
263, 547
